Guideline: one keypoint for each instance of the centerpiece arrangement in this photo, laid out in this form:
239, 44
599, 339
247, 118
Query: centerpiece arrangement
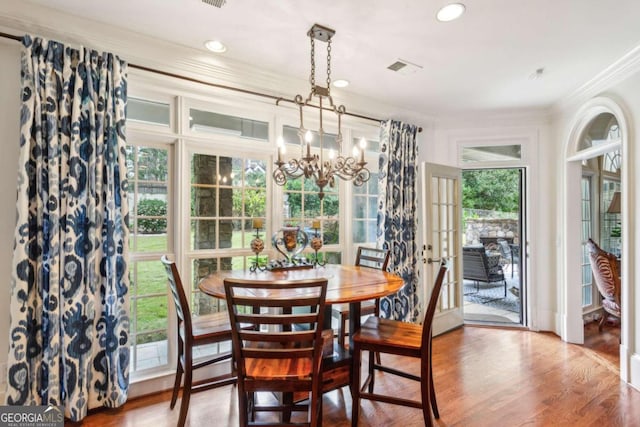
290, 241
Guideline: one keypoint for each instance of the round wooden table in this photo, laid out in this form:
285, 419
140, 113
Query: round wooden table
346, 284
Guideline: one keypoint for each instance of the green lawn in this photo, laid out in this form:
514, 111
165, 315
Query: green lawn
149, 284
148, 278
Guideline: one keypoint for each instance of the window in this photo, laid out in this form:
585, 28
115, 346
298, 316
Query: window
603, 129
290, 136
201, 215
227, 192
302, 206
587, 232
495, 153
149, 176
610, 230
365, 211
144, 111
210, 122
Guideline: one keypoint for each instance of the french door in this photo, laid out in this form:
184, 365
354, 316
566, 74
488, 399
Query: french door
442, 213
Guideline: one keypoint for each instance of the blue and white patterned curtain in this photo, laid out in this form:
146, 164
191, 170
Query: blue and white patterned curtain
69, 332
397, 216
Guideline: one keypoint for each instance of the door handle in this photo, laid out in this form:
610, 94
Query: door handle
432, 260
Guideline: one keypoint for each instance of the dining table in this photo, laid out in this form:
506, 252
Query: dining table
345, 284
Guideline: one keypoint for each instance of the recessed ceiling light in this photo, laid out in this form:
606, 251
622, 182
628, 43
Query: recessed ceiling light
215, 46
341, 83
450, 12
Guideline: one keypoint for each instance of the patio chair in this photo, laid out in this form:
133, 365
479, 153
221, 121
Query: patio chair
476, 267
509, 252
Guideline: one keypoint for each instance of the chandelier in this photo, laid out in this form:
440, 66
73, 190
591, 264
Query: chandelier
323, 170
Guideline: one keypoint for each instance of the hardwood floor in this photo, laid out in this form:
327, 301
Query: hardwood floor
605, 344
483, 377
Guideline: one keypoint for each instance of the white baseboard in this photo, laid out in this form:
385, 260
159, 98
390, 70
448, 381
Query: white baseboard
632, 374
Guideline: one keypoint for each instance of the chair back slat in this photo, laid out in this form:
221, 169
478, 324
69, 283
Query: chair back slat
279, 353
372, 258
281, 337
276, 319
179, 297
277, 301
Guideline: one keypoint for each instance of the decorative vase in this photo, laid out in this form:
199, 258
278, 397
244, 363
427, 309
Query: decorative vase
290, 242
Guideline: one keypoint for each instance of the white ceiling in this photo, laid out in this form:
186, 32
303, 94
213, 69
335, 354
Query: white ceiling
482, 61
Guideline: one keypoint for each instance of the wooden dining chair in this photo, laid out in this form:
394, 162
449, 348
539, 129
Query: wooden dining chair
399, 338
193, 332
282, 352
366, 257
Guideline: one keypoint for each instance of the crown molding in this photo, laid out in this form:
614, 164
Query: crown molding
615, 73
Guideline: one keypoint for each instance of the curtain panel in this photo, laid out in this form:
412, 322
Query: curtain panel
397, 221
68, 341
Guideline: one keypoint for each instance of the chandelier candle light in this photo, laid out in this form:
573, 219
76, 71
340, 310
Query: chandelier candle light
323, 171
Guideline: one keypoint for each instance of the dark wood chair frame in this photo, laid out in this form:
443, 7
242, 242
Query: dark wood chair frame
291, 337
209, 329
393, 337
370, 258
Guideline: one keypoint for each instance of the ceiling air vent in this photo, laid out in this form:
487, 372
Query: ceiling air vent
404, 67
216, 3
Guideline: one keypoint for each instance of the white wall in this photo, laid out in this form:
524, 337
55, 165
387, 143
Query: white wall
532, 130
625, 95
9, 143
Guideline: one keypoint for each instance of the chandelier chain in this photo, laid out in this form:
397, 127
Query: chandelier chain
313, 62
328, 65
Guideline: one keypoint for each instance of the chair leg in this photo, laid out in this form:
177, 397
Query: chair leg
243, 411
186, 391
176, 384
315, 409
432, 389
342, 333
602, 319
287, 401
425, 390
372, 371
355, 386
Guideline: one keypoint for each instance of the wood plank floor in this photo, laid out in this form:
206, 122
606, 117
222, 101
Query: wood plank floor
483, 377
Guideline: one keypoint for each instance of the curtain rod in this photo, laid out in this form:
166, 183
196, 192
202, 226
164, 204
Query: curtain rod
278, 99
